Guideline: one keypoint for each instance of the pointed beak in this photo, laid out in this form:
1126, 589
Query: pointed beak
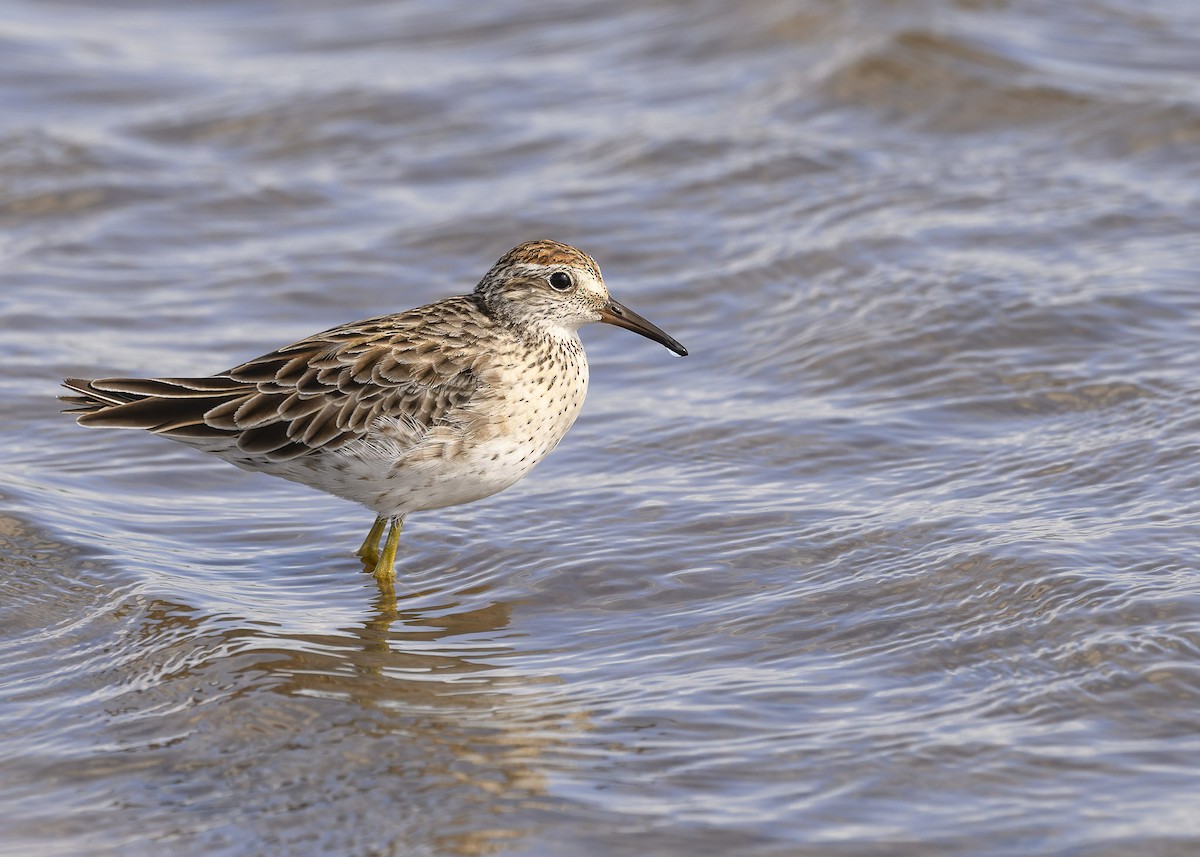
624, 317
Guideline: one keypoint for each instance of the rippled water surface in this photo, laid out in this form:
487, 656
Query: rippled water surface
901, 560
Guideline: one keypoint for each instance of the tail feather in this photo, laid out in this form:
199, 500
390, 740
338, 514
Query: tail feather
169, 406
90, 397
261, 418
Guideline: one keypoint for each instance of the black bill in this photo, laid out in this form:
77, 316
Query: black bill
624, 317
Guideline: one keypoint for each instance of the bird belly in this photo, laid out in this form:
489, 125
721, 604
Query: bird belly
500, 440
488, 447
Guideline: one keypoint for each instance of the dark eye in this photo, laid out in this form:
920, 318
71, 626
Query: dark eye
561, 281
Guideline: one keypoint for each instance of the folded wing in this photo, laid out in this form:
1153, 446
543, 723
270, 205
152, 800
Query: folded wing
321, 392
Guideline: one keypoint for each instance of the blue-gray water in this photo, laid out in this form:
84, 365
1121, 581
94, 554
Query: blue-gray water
903, 559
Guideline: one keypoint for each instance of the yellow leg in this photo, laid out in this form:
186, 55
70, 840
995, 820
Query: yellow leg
368, 551
385, 568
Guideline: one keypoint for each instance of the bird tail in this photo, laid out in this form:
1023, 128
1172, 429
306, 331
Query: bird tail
90, 399
171, 406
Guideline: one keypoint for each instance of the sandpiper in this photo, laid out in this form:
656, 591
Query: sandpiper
443, 404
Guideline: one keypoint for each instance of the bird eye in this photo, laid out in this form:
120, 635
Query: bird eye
561, 281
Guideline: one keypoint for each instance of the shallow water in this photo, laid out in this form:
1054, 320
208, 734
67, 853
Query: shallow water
901, 560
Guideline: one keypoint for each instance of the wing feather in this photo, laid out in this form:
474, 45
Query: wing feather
418, 368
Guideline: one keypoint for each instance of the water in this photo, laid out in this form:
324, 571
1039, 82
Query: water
902, 560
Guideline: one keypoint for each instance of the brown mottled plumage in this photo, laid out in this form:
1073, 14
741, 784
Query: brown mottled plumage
439, 405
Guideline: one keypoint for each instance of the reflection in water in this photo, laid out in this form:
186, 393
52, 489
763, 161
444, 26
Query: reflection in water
394, 734
432, 740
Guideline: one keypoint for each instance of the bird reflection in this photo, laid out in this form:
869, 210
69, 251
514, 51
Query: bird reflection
401, 729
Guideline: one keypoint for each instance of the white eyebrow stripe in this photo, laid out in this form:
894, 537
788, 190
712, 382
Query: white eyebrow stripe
539, 268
